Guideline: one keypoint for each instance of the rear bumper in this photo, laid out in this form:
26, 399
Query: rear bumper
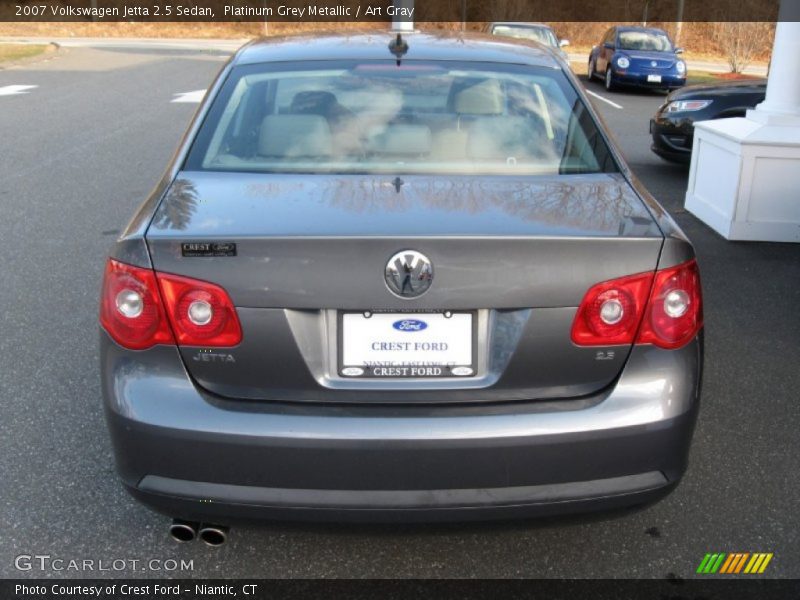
191, 501
191, 455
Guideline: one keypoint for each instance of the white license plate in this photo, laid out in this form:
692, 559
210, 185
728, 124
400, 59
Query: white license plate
654, 78
407, 345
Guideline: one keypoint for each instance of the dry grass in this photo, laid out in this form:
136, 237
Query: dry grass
693, 77
701, 40
12, 52
169, 30
698, 39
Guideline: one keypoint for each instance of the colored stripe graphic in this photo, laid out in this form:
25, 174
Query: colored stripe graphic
711, 563
765, 563
734, 563
703, 563
731, 563
733, 560
727, 564
713, 567
741, 562
755, 562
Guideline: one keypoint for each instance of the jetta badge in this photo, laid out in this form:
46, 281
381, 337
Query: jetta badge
408, 274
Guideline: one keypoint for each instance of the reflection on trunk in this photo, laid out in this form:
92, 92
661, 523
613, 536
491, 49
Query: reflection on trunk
596, 205
177, 209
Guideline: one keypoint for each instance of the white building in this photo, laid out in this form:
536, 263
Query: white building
744, 180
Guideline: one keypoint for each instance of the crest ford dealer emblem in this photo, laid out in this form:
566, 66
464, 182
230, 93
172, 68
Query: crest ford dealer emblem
408, 274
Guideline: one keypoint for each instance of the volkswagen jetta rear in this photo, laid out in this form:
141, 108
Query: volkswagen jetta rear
404, 282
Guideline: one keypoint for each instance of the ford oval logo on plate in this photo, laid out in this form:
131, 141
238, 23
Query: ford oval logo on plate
461, 371
410, 325
353, 371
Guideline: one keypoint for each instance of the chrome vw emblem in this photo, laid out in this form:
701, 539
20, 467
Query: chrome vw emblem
653, 63
408, 274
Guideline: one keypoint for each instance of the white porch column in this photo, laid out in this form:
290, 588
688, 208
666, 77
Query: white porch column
783, 87
744, 180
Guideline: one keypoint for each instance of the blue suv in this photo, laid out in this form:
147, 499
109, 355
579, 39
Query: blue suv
637, 56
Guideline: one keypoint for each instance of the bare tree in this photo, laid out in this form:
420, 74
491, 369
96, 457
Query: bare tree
740, 41
679, 23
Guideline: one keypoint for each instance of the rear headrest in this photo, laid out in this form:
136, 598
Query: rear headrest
483, 98
405, 140
502, 138
313, 102
288, 136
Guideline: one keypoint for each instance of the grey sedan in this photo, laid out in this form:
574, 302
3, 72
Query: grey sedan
394, 277
534, 32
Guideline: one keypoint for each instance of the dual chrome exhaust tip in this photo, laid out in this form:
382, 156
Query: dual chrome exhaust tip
187, 531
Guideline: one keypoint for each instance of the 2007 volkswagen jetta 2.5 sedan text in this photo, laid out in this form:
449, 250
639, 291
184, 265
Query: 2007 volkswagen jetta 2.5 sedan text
398, 278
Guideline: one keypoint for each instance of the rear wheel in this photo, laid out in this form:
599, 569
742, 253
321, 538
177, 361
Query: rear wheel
590, 69
610, 86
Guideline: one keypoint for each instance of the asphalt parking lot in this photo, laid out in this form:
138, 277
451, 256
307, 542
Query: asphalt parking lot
85, 134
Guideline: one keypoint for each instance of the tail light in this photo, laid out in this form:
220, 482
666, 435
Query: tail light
130, 307
134, 315
201, 313
664, 307
675, 310
611, 311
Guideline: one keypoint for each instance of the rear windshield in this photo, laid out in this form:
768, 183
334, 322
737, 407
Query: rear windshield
380, 117
543, 35
644, 40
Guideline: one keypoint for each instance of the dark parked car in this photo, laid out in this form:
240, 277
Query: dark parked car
672, 127
405, 282
536, 32
637, 56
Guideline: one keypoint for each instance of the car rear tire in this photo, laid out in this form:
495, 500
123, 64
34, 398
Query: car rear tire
610, 86
590, 69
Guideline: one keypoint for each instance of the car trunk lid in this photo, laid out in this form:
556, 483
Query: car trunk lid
293, 251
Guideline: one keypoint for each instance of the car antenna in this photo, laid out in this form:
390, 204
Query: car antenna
398, 47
